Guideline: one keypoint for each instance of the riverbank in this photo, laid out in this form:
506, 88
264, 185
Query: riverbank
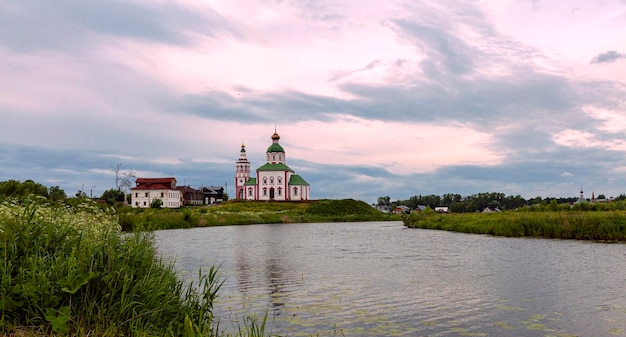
237, 212
607, 225
68, 271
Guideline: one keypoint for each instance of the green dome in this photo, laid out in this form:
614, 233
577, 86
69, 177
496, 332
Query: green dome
275, 148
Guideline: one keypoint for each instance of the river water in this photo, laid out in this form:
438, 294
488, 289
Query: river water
382, 279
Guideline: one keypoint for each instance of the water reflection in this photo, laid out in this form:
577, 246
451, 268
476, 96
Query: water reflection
381, 279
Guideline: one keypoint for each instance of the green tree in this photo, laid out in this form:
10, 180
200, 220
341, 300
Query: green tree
56, 193
17, 189
384, 201
112, 196
156, 203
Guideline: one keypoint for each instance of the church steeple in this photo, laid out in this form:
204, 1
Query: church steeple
275, 153
243, 173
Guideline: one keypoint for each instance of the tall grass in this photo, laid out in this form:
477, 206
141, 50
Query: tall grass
571, 224
71, 271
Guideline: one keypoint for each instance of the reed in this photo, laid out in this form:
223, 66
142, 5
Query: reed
571, 224
71, 272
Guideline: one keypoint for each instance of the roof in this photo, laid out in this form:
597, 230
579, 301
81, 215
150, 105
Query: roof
250, 182
154, 183
152, 187
297, 180
167, 180
274, 167
275, 148
187, 189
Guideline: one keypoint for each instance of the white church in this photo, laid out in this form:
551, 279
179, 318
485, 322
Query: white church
274, 180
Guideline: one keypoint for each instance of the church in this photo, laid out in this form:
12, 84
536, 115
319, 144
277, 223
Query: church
274, 181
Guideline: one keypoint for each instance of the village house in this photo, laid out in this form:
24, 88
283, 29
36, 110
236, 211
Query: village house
213, 194
401, 210
191, 196
148, 189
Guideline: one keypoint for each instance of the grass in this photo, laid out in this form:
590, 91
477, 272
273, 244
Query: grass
72, 272
607, 225
237, 212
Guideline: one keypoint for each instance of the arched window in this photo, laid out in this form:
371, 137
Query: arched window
264, 180
280, 191
280, 180
250, 191
272, 180
295, 191
264, 192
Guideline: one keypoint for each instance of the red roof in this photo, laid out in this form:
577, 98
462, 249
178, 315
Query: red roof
155, 183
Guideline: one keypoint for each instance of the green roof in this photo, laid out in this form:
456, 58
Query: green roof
250, 182
275, 148
274, 167
297, 180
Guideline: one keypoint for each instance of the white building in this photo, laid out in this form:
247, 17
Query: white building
148, 189
273, 181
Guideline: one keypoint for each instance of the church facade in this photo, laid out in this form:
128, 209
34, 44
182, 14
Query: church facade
273, 181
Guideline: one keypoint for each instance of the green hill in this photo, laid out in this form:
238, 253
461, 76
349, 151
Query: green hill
239, 212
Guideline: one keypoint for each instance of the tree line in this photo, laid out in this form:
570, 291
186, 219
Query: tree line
477, 202
15, 189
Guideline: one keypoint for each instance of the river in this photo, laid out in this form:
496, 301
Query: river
382, 279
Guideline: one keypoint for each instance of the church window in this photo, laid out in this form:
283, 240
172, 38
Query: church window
250, 192
274, 157
265, 180
272, 180
295, 191
265, 192
280, 180
280, 191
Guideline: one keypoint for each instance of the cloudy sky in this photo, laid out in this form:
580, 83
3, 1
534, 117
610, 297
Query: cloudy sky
370, 97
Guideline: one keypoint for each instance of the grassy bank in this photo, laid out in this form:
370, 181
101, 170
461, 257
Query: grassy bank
71, 272
571, 224
250, 212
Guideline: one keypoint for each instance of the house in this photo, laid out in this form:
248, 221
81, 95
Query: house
274, 180
191, 196
442, 209
213, 194
491, 210
383, 208
401, 210
149, 189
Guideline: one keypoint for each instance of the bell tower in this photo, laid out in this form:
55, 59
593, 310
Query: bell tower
243, 173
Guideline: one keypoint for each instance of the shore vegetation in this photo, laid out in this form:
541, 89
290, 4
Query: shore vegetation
71, 271
584, 221
239, 212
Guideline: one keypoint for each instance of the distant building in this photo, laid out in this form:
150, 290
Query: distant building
191, 196
581, 198
491, 210
213, 194
401, 210
148, 189
272, 181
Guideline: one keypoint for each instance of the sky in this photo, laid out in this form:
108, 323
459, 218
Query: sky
370, 98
